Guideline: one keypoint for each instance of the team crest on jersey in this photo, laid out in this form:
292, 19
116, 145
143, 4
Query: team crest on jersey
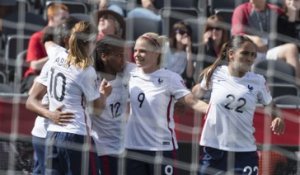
160, 81
250, 88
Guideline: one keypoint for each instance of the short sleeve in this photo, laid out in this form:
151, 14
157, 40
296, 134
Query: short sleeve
42, 78
177, 86
90, 84
264, 95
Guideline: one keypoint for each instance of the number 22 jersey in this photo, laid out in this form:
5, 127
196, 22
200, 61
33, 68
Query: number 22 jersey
229, 120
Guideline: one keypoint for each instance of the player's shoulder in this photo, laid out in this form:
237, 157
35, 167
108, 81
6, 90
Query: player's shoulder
256, 77
129, 67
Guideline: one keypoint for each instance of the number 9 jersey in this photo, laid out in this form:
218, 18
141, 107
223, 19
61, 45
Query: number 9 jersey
152, 97
229, 120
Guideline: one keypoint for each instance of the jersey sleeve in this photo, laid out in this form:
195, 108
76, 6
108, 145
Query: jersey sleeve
42, 78
177, 87
203, 84
90, 84
264, 95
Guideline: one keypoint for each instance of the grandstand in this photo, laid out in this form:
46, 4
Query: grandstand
20, 18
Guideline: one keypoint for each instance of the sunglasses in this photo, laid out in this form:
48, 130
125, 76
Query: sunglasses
182, 32
214, 28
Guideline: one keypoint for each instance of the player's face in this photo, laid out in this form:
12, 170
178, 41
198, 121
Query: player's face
146, 56
115, 61
242, 59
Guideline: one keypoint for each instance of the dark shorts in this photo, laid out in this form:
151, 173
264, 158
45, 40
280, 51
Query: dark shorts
109, 164
214, 161
150, 162
66, 153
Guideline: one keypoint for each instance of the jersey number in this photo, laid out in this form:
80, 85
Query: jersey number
54, 79
114, 108
241, 103
141, 98
249, 170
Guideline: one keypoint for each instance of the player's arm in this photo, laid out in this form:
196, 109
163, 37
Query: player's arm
198, 91
193, 102
277, 124
34, 103
100, 103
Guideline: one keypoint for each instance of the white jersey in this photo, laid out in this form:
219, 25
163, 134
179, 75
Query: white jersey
229, 122
108, 128
41, 123
152, 97
72, 88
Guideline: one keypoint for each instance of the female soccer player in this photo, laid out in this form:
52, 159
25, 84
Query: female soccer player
108, 128
150, 138
227, 138
72, 84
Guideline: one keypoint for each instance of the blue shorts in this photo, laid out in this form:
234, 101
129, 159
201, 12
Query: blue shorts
65, 154
142, 162
38, 145
215, 161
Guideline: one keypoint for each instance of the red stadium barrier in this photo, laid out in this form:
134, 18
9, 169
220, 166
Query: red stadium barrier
13, 107
14, 117
184, 118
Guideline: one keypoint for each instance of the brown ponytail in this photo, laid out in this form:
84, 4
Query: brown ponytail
233, 44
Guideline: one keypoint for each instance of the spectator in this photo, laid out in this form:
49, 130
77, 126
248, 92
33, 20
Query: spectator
36, 53
114, 6
253, 19
180, 57
147, 10
109, 23
214, 37
290, 20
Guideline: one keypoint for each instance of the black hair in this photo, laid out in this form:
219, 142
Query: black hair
107, 45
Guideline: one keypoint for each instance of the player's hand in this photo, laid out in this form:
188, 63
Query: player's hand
278, 126
105, 88
61, 118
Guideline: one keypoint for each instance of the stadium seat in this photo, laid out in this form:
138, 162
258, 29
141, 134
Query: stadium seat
81, 16
25, 23
275, 71
3, 78
14, 45
290, 100
20, 67
136, 26
214, 5
226, 15
175, 14
279, 75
